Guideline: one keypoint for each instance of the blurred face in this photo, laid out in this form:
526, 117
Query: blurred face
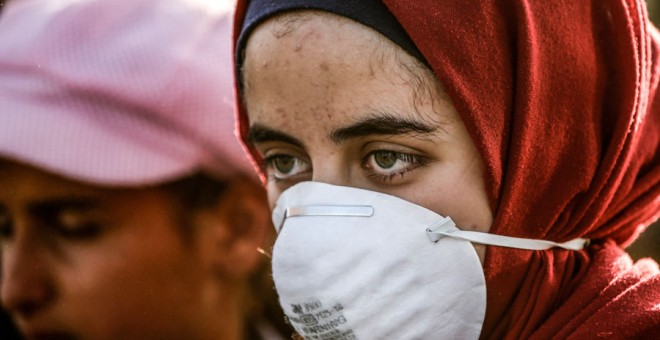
330, 100
84, 262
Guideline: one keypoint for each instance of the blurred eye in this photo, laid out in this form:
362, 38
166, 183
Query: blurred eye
285, 167
6, 229
384, 165
76, 225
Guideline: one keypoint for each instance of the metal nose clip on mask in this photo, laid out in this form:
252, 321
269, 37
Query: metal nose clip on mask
356, 264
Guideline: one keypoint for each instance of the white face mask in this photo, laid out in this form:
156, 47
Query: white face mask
356, 264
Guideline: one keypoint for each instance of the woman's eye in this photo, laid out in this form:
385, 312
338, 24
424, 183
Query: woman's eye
282, 167
284, 164
384, 165
385, 159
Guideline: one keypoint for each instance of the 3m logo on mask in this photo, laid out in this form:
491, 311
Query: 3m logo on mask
316, 322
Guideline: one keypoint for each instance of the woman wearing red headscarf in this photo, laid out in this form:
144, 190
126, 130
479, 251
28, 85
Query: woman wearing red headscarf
533, 126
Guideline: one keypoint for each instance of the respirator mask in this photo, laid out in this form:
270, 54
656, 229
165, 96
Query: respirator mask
350, 263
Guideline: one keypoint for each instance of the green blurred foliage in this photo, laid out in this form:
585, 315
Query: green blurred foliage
648, 244
654, 11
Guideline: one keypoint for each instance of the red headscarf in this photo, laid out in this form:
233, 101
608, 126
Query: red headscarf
559, 97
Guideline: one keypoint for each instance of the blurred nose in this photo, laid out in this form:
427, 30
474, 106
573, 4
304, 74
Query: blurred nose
25, 287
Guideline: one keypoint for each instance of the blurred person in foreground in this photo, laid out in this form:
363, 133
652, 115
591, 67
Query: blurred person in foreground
127, 208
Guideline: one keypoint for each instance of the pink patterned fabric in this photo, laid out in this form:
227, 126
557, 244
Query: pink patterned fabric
121, 92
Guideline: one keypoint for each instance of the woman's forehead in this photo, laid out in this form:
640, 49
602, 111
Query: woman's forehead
308, 27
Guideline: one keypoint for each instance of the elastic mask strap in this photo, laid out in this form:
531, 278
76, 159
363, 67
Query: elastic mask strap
443, 228
447, 227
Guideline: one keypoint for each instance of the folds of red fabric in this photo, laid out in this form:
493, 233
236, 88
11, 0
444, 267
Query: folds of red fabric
615, 299
560, 99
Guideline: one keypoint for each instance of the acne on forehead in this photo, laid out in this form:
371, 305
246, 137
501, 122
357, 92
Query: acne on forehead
289, 37
308, 31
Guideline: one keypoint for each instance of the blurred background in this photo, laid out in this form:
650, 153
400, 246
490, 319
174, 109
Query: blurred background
648, 244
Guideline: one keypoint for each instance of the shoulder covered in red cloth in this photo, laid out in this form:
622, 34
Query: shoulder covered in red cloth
616, 299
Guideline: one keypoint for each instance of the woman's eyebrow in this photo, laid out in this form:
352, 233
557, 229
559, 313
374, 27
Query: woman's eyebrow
382, 124
259, 133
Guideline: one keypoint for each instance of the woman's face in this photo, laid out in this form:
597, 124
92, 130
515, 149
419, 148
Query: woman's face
333, 101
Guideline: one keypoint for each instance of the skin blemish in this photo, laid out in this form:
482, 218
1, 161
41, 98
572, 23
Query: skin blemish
312, 34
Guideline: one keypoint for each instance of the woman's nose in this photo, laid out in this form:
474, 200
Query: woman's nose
331, 171
26, 286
